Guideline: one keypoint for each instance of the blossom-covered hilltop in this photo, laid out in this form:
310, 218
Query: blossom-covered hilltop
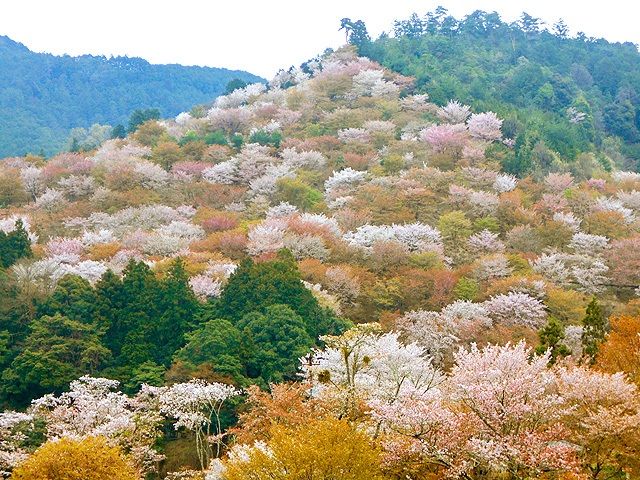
333, 228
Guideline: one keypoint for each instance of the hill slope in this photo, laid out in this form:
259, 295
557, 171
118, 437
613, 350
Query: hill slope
559, 96
43, 96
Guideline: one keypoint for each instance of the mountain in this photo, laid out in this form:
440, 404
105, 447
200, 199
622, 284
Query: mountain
342, 247
560, 96
43, 96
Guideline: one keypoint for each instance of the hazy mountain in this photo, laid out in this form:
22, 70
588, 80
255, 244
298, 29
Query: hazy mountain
43, 96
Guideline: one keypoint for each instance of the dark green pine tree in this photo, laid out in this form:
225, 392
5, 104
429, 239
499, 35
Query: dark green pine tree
256, 286
109, 305
73, 297
217, 343
595, 328
130, 332
551, 336
178, 309
14, 245
276, 339
57, 351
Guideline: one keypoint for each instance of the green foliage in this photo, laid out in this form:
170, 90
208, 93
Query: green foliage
45, 96
218, 343
298, 193
119, 131
266, 138
256, 286
550, 89
57, 351
551, 336
216, 138
275, 340
595, 327
466, 289
234, 84
140, 116
14, 245
73, 297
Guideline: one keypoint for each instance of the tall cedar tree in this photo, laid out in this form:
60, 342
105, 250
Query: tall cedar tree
551, 336
256, 286
14, 245
595, 326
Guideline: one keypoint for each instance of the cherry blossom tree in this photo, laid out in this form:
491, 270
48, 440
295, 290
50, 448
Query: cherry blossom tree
443, 138
558, 182
454, 112
516, 309
513, 398
12, 437
196, 406
485, 126
485, 242
505, 182
365, 363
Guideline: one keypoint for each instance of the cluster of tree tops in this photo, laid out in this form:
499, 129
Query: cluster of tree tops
43, 96
561, 96
147, 327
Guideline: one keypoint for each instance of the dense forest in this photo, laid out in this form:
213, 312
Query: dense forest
338, 274
559, 96
43, 96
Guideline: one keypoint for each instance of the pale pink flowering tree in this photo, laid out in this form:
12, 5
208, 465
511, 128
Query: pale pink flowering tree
356, 135
266, 237
630, 199
433, 331
516, 308
445, 138
231, 120
379, 126
604, 417
32, 180
505, 182
513, 397
558, 182
304, 159
485, 242
588, 244
343, 180
77, 186
341, 283
485, 126
492, 266
13, 428
51, 200
205, 287
454, 112
606, 204
93, 407
364, 363
65, 249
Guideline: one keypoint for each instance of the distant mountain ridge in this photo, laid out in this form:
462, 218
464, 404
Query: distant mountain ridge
43, 96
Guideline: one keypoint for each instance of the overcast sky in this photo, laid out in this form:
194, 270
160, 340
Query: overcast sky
258, 35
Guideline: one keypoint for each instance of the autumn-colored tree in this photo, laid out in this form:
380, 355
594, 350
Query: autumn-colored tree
621, 350
287, 404
325, 448
66, 459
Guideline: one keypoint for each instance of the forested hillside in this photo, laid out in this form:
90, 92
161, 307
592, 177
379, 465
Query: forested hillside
559, 96
329, 276
42, 96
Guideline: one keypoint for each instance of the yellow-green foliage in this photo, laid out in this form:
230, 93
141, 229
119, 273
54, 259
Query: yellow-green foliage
66, 459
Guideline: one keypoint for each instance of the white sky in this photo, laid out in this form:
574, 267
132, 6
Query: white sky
261, 36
